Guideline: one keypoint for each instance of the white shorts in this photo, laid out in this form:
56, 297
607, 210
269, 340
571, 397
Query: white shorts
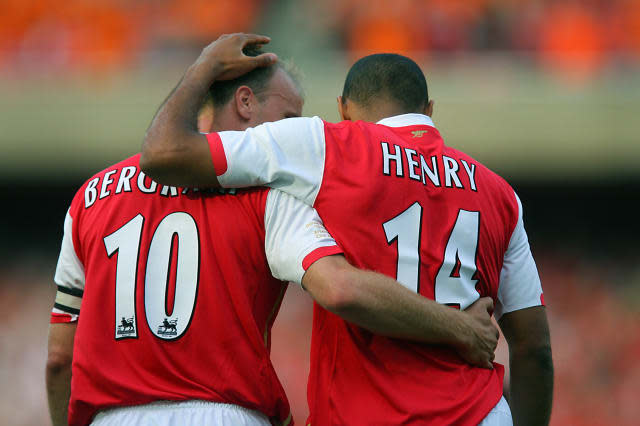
170, 413
499, 416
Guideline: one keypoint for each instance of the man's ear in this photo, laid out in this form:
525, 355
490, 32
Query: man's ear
429, 109
343, 110
244, 102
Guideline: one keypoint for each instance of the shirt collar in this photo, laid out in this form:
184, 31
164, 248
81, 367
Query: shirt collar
405, 120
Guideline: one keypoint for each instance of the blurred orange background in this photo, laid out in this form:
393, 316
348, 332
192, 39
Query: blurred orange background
545, 92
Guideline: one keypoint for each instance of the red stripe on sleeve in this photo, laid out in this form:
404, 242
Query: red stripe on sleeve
60, 318
319, 253
218, 157
542, 299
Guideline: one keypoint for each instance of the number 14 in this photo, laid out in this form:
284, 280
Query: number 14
454, 282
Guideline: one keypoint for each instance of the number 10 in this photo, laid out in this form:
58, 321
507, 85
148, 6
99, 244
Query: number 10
177, 227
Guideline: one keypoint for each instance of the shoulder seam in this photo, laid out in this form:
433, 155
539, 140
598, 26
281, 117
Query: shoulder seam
323, 136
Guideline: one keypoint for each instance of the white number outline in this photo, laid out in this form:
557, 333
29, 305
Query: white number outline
459, 291
114, 240
148, 287
113, 244
400, 229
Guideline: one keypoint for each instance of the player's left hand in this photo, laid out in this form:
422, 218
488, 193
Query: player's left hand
224, 58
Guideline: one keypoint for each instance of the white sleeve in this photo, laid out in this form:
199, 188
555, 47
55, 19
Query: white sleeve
519, 281
295, 237
287, 155
69, 275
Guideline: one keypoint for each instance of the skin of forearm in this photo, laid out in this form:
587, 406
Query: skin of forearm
531, 386
173, 125
58, 370
399, 312
58, 392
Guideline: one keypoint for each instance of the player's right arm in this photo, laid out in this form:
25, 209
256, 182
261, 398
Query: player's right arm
522, 317
287, 154
299, 249
173, 151
530, 365
58, 370
69, 278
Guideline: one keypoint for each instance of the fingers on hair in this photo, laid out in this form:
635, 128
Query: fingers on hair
256, 39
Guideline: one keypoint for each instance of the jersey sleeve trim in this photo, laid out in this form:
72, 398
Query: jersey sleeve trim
68, 300
67, 309
520, 285
69, 277
294, 233
318, 254
71, 291
288, 155
62, 318
218, 156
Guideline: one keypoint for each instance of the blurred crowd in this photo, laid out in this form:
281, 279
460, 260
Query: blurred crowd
582, 34
99, 34
595, 333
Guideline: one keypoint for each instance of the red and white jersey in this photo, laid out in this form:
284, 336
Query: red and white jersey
173, 290
400, 202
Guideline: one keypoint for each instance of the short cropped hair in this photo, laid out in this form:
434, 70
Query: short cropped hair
388, 76
257, 79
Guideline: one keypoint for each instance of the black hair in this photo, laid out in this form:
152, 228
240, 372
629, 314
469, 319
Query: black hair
257, 79
389, 76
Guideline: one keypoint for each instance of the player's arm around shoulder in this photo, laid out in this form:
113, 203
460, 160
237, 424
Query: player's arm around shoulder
299, 249
384, 306
58, 369
173, 151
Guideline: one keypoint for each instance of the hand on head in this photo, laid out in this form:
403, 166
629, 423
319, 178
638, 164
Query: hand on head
226, 60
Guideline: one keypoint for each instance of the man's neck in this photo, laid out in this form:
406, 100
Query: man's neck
226, 121
380, 110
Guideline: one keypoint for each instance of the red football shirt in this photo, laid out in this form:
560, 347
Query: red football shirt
400, 202
173, 290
